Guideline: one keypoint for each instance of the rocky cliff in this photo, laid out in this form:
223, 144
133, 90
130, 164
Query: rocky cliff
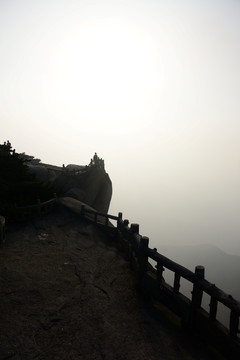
89, 184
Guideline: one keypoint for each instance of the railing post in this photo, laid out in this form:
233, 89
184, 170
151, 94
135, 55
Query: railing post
176, 285
135, 228
126, 236
160, 269
197, 293
142, 255
2, 230
119, 219
134, 245
213, 308
234, 323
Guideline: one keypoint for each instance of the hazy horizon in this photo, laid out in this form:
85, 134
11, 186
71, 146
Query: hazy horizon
151, 86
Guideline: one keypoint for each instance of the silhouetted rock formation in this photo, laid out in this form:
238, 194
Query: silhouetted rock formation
89, 184
17, 185
92, 186
24, 180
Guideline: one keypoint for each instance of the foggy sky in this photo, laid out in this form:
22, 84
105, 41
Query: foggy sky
151, 86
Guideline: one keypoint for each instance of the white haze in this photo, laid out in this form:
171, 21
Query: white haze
151, 86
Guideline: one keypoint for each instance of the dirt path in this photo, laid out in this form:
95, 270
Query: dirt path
68, 293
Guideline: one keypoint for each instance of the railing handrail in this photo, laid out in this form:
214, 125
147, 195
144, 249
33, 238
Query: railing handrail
25, 212
35, 206
200, 284
184, 272
209, 288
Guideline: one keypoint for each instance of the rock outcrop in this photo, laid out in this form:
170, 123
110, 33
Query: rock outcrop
93, 187
89, 184
43, 174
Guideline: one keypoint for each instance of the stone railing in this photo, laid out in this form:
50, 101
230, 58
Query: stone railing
153, 286
74, 172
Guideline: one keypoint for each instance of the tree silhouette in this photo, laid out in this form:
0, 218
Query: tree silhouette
17, 184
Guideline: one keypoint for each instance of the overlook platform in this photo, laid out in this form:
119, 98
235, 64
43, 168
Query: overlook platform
67, 292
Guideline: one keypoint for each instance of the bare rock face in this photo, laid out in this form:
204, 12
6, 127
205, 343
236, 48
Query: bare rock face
74, 167
89, 184
43, 173
75, 193
93, 187
98, 189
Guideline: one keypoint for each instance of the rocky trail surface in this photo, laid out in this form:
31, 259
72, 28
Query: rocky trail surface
68, 293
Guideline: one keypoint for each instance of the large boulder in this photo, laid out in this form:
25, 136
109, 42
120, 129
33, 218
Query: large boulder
74, 167
89, 184
98, 190
92, 186
43, 174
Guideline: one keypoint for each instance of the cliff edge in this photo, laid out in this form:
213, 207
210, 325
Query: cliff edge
89, 184
68, 292
25, 180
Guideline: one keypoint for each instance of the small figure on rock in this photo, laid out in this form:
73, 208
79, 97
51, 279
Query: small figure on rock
96, 161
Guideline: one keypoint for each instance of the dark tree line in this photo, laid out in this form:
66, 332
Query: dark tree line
17, 185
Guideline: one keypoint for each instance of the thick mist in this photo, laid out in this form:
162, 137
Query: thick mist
181, 198
152, 87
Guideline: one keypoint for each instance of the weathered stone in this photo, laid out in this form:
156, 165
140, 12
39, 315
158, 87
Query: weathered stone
90, 185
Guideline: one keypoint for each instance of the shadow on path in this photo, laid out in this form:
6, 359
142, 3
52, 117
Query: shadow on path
67, 292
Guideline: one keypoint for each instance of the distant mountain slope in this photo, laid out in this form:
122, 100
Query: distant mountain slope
221, 268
